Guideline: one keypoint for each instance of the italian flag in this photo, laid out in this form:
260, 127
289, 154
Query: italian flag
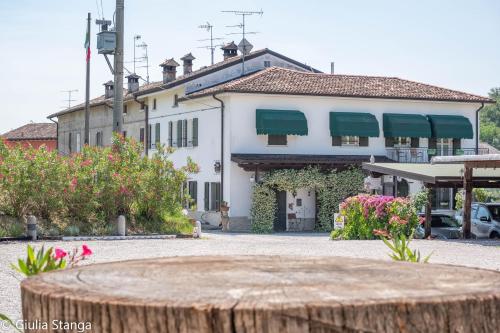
87, 44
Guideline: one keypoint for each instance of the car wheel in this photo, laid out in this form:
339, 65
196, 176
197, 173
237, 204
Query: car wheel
495, 235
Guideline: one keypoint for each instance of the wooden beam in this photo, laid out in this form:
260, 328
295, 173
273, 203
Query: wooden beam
428, 211
466, 226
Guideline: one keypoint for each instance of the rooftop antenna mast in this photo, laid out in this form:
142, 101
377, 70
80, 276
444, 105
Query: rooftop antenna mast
244, 46
69, 100
136, 38
144, 58
211, 47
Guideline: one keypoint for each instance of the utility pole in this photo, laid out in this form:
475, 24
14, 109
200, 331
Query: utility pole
118, 68
86, 135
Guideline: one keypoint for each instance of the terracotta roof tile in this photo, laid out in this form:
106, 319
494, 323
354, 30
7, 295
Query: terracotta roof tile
33, 131
277, 80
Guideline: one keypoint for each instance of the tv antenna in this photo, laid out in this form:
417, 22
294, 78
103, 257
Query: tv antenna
145, 59
211, 47
136, 38
69, 92
244, 46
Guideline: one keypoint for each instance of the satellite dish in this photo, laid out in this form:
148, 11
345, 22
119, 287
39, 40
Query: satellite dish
245, 47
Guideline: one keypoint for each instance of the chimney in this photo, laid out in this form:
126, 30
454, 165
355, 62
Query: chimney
230, 50
187, 63
133, 83
109, 89
169, 70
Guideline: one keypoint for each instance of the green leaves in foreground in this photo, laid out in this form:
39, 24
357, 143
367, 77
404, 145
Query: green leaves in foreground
9, 321
39, 262
401, 251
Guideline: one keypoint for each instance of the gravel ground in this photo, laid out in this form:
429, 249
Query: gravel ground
482, 254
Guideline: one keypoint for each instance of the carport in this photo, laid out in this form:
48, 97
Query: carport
467, 172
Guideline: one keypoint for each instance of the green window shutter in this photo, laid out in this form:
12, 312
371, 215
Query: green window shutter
141, 135
363, 141
193, 193
157, 133
170, 129
69, 142
215, 196
389, 142
195, 132
149, 136
206, 198
336, 141
415, 142
184, 132
179, 133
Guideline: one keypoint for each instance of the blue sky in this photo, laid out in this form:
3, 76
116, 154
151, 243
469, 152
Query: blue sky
448, 43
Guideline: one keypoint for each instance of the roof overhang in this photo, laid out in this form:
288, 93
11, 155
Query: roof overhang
437, 175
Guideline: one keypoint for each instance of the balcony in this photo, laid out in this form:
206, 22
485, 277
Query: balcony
424, 155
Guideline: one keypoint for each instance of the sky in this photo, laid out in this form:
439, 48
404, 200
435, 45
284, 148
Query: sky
448, 43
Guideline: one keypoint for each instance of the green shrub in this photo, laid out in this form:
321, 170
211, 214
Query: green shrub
264, 207
83, 192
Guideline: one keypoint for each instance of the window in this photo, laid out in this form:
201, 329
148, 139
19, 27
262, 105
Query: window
170, 134
212, 196
124, 133
184, 133
402, 141
193, 194
176, 101
194, 133
98, 139
157, 134
78, 143
149, 136
443, 198
495, 212
350, 141
125, 109
277, 140
70, 149
143, 106
444, 147
154, 104
483, 212
141, 135
267, 63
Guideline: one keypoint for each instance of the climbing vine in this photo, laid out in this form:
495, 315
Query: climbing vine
332, 188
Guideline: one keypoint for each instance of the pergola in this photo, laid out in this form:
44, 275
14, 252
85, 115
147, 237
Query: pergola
467, 172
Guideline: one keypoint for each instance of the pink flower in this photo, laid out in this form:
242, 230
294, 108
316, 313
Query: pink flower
59, 253
111, 157
86, 163
73, 184
86, 251
421, 220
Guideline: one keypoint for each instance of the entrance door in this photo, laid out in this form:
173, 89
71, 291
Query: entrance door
280, 220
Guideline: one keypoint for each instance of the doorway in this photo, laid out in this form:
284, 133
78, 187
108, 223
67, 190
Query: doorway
280, 220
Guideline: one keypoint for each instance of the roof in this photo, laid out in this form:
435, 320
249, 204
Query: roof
159, 85
33, 131
169, 62
442, 175
250, 161
277, 80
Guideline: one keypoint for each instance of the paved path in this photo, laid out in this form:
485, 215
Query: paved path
483, 254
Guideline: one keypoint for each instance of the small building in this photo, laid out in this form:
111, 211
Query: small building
33, 135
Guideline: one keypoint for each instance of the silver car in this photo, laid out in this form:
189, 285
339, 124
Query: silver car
485, 220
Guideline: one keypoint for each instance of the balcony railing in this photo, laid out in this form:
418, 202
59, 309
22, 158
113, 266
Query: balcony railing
424, 155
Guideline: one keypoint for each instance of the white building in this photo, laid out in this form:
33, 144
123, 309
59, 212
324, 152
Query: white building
282, 114
241, 117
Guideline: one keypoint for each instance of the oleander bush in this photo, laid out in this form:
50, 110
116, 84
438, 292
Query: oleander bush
84, 192
367, 216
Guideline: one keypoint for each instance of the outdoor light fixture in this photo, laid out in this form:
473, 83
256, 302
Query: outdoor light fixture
217, 166
252, 179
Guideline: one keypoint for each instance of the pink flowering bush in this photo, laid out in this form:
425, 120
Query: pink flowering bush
365, 214
83, 192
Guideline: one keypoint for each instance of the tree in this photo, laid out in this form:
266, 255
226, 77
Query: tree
490, 120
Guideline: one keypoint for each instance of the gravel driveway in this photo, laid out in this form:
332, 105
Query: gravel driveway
483, 254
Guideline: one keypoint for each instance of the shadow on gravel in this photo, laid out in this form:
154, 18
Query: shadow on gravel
480, 242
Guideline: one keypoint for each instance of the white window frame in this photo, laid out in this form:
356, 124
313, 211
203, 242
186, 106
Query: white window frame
398, 142
349, 141
444, 146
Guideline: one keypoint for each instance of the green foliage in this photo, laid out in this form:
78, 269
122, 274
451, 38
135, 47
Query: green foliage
478, 195
419, 200
490, 120
336, 187
264, 207
39, 262
365, 214
331, 189
83, 192
401, 251
12, 229
336, 234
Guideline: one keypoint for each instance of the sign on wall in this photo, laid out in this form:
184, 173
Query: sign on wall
338, 221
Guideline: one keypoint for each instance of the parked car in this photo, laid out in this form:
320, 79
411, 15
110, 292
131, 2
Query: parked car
442, 227
485, 219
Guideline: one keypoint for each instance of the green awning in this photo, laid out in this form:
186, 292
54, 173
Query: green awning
353, 124
281, 122
406, 125
454, 127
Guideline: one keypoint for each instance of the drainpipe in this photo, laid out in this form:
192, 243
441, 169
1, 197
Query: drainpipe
57, 132
146, 125
221, 146
477, 127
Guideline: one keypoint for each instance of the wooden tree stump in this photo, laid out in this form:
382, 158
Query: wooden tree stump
267, 294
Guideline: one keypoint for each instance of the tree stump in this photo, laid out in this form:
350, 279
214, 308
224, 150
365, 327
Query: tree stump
267, 294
